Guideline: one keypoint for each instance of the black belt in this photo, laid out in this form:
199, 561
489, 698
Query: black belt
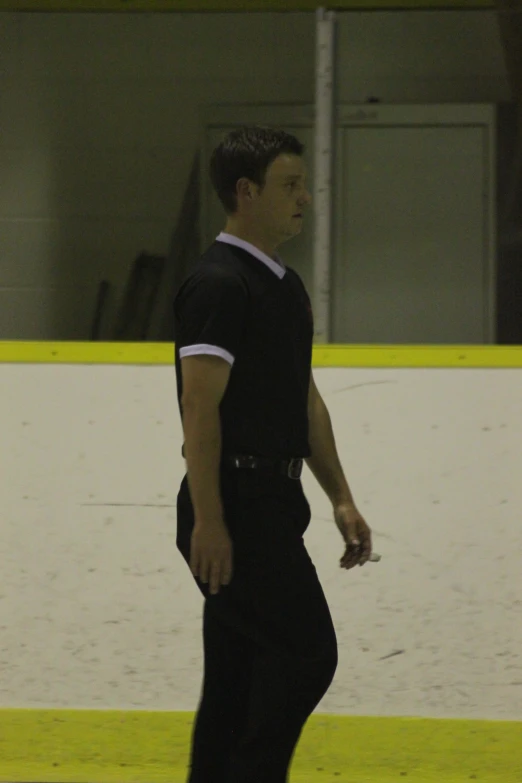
291, 468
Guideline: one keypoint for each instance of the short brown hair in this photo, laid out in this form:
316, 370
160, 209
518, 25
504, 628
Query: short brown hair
247, 152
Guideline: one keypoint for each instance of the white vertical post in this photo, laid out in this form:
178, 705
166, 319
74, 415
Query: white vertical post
324, 144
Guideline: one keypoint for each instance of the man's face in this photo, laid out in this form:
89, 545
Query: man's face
278, 209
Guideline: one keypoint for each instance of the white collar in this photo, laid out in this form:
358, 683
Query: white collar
229, 239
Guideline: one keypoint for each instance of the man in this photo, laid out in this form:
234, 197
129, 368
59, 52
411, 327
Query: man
251, 414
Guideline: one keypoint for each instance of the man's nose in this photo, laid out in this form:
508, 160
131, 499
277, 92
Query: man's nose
307, 198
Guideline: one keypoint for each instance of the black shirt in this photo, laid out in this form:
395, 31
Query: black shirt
239, 304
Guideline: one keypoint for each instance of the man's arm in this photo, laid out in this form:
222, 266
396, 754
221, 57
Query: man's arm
324, 462
205, 379
326, 467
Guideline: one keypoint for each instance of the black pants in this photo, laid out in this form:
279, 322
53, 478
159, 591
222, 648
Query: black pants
270, 650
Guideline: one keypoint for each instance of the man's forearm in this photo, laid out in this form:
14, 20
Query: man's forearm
202, 431
324, 461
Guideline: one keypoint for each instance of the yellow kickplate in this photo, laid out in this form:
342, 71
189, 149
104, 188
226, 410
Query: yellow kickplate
82, 746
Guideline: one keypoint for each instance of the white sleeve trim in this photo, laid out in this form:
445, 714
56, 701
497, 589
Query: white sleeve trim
206, 350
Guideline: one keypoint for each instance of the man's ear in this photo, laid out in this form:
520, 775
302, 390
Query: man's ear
243, 188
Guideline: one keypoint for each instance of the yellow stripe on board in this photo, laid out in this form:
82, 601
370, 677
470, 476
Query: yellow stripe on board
237, 5
62, 746
494, 356
19, 352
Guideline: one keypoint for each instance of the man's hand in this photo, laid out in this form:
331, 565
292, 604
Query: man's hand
356, 533
211, 554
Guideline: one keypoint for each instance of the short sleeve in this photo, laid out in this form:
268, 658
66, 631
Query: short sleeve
210, 311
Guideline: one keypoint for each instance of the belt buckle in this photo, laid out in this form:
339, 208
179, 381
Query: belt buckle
295, 467
244, 461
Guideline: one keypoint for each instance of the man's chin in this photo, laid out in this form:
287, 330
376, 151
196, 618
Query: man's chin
290, 233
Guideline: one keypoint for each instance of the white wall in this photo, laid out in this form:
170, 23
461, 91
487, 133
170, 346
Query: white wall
98, 609
99, 125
